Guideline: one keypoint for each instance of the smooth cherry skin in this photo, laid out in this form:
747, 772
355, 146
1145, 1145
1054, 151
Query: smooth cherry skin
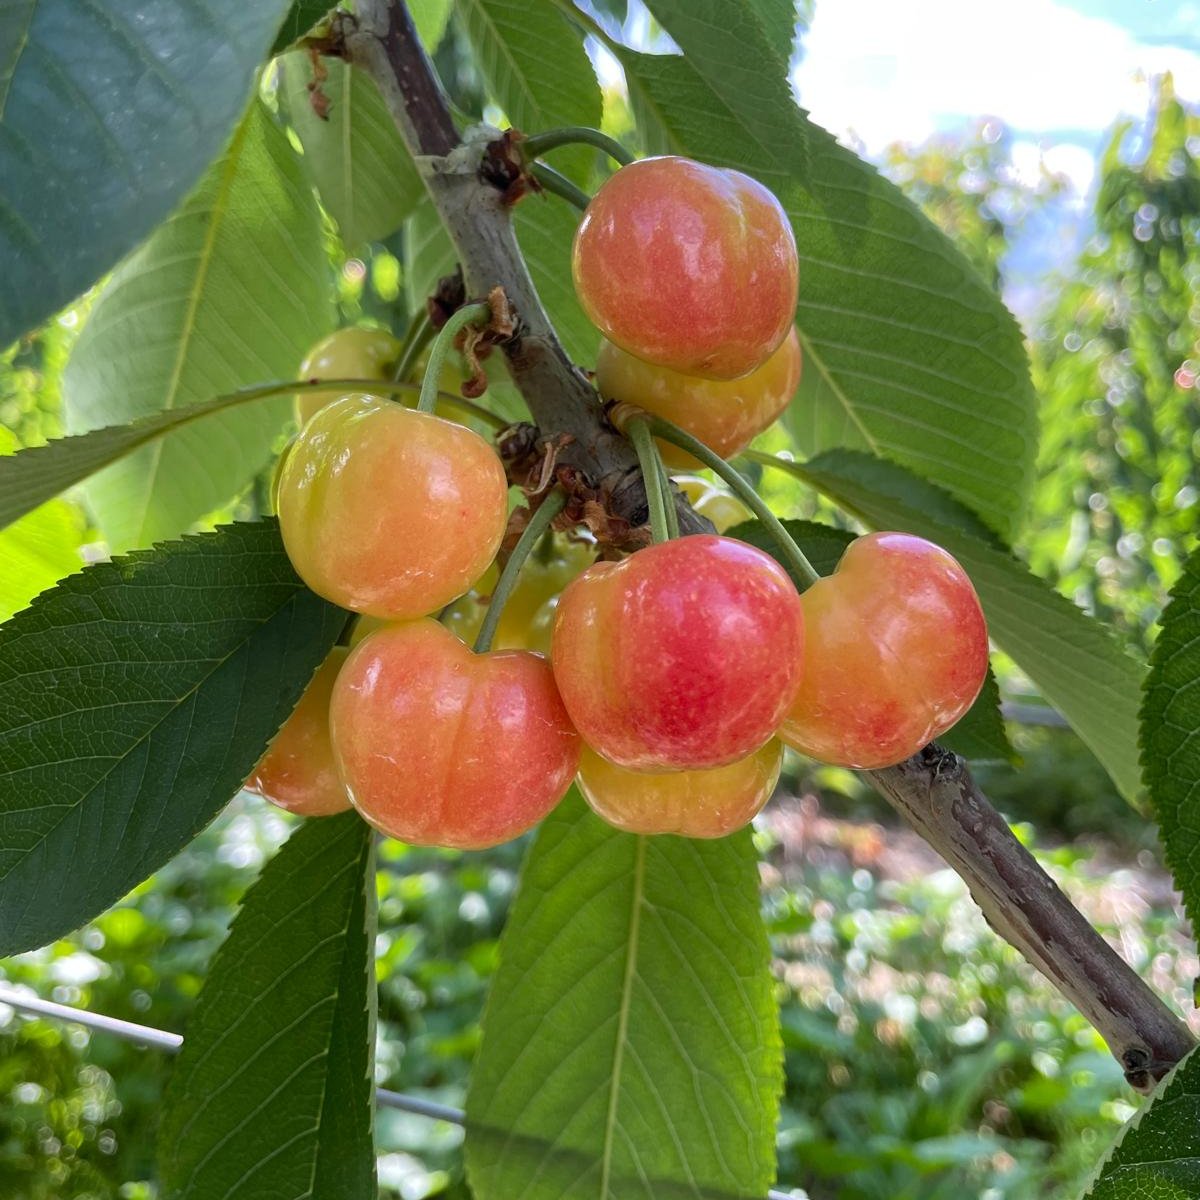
345, 354
684, 656
896, 652
442, 747
725, 414
388, 511
297, 772
695, 804
687, 266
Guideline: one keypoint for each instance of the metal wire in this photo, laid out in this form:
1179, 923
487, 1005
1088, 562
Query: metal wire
160, 1039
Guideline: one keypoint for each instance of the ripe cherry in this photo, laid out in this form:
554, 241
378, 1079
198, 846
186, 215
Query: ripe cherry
697, 804
345, 354
442, 747
725, 414
684, 656
896, 652
687, 266
297, 772
388, 511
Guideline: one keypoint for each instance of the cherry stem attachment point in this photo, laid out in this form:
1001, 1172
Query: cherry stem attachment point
419, 335
469, 314
537, 144
793, 556
638, 431
560, 185
539, 522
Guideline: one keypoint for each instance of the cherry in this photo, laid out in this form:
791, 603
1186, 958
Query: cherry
697, 804
442, 747
721, 508
685, 655
297, 772
896, 652
725, 414
687, 266
345, 354
389, 511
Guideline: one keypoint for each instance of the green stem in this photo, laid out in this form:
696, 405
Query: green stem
652, 475
376, 387
539, 522
560, 185
792, 554
538, 144
469, 314
668, 500
415, 340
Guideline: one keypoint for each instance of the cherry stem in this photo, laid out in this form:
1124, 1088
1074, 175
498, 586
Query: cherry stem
377, 387
638, 430
415, 340
668, 499
469, 314
539, 522
560, 185
738, 484
537, 144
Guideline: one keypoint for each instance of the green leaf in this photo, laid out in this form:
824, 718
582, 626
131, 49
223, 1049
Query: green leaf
431, 18
534, 65
1074, 660
301, 17
363, 172
135, 697
273, 1092
778, 19
1170, 734
729, 46
908, 353
109, 112
1158, 1154
980, 733
231, 291
630, 1043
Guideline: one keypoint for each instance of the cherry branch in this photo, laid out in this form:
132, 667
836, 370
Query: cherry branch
933, 791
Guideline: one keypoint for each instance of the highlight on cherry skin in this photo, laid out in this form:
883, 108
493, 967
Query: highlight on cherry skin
687, 266
388, 511
896, 652
439, 746
686, 655
696, 804
352, 353
725, 414
297, 771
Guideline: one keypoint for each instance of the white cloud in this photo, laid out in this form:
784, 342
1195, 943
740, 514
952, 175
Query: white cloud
897, 72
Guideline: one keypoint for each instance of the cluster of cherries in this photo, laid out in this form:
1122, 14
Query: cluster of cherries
667, 681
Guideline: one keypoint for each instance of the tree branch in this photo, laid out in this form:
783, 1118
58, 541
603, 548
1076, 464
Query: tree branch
382, 41
935, 793
933, 790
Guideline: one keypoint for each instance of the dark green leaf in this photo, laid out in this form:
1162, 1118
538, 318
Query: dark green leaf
1158, 1155
135, 697
1075, 661
301, 17
630, 1044
231, 291
908, 354
980, 734
273, 1093
739, 52
109, 112
362, 170
1171, 734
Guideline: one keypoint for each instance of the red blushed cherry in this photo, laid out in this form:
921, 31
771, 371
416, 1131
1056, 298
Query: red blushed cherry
725, 414
297, 772
696, 804
687, 266
684, 656
388, 511
439, 746
896, 652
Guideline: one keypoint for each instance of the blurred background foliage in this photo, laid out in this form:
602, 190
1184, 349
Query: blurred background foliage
924, 1059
